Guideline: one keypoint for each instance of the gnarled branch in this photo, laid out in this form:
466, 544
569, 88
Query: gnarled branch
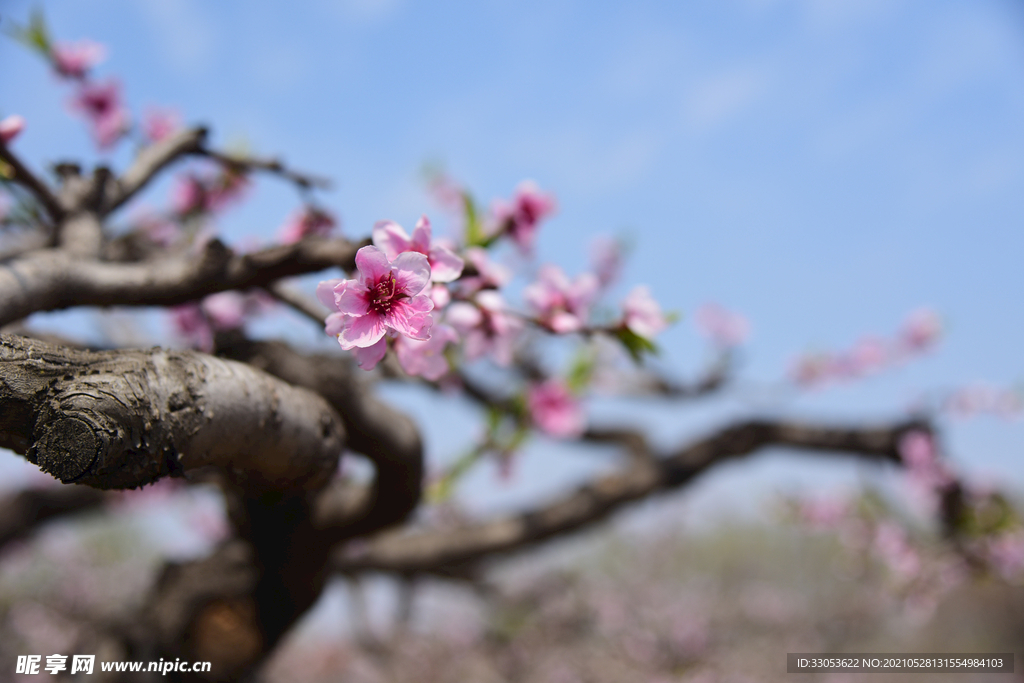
124, 419
459, 552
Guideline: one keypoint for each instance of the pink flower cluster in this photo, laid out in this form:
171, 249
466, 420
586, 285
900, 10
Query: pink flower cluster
561, 304
520, 217
102, 106
386, 297
196, 194
74, 60
310, 221
554, 409
870, 355
197, 323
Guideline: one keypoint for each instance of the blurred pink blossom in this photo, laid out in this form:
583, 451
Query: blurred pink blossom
73, 60
520, 218
555, 410
310, 221
158, 123
724, 328
425, 358
642, 314
921, 330
891, 546
825, 513
1006, 553
102, 106
11, 127
561, 304
489, 275
487, 326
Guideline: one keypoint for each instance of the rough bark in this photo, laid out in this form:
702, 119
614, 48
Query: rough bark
124, 419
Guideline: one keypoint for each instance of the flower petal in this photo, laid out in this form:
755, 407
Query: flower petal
411, 317
391, 238
445, 266
371, 355
362, 332
353, 299
421, 235
373, 265
412, 273
327, 292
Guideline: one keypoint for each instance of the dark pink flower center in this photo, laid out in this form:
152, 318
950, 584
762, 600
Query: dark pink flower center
384, 294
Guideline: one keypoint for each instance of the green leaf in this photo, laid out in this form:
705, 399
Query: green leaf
474, 231
636, 345
35, 35
582, 370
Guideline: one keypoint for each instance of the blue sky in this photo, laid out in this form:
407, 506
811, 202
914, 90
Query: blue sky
823, 166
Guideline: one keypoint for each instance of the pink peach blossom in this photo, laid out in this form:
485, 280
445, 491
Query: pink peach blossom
642, 314
158, 124
391, 238
555, 410
561, 304
102, 106
385, 297
11, 127
425, 358
723, 327
520, 217
73, 60
308, 222
489, 275
487, 327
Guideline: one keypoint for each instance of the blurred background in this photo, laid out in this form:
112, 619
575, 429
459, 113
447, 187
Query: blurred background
823, 167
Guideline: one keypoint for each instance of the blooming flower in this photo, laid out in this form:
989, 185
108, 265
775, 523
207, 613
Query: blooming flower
520, 217
102, 106
724, 328
486, 327
11, 127
386, 297
158, 124
391, 238
73, 60
489, 275
642, 314
555, 410
561, 305
425, 357
309, 221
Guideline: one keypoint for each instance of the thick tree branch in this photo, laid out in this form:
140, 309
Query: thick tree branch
389, 438
124, 419
53, 279
459, 552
